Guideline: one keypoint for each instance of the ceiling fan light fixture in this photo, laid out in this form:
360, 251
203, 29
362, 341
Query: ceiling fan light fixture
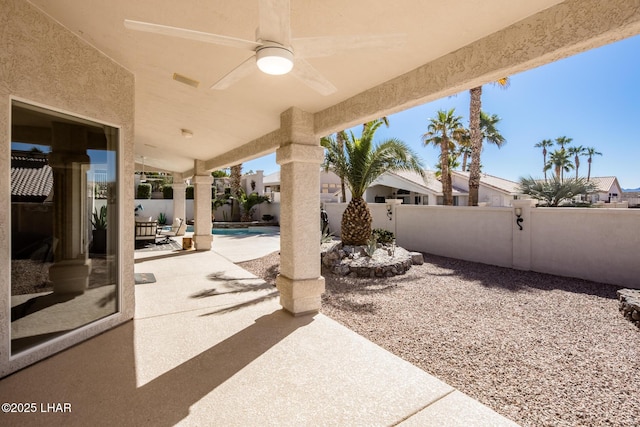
274, 59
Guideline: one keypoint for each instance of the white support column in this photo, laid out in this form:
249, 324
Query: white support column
522, 238
299, 282
202, 181
179, 197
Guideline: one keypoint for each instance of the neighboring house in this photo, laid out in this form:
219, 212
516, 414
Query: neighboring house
329, 187
31, 177
493, 190
608, 189
411, 188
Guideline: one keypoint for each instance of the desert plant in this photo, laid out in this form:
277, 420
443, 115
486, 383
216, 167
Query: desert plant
99, 219
383, 236
327, 236
162, 218
554, 191
143, 191
371, 246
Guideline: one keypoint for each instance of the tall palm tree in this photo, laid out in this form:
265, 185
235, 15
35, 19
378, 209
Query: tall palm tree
590, 151
443, 131
361, 162
475, 107
562, 141
464, 150
453, 163
544, 144
576, 152
235, 178
560, 162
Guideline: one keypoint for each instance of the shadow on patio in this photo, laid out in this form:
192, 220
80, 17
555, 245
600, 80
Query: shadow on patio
251, 364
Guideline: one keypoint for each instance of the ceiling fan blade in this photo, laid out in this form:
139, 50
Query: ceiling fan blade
315, 47
191, 34
238, 73
275, 21
303, 71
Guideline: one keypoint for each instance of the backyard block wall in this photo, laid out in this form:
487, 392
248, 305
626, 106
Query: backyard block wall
601, 245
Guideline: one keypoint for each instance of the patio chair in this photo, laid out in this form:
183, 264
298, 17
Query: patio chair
178, 228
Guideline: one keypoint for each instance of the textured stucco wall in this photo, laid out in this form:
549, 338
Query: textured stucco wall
43, 63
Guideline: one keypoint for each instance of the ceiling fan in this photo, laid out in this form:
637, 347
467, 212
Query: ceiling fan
275, 52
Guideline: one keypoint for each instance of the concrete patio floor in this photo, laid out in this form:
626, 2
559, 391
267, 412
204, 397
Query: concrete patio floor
210, 346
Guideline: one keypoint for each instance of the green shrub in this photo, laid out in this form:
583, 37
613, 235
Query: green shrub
167, 192
143, 191
189, 192
383, 236
162, 218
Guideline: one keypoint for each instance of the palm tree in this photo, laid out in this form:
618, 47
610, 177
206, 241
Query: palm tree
475, 107
560, 161
544, 144
361, 162
590, 151
464, 150
562, 141
443, 131
235, 178
576, 152
340, 138
453, 163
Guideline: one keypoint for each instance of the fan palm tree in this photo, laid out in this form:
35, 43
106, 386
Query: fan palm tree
562, 141
560, 162
544, 144
453, 163
576, 152
475, 132
443, 132
590, 151
361, 162
464, 150
235, 178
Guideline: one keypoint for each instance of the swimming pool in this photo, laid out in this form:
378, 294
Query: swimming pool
239, 231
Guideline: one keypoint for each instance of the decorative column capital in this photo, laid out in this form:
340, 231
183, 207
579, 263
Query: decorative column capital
300, 153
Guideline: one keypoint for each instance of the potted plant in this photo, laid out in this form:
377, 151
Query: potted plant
162, 218
99, 232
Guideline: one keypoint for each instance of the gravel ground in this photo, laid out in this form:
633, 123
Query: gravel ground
540, 349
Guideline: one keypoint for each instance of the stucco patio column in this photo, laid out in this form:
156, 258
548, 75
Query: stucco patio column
179, 197
70, 163
299, 282
202, 181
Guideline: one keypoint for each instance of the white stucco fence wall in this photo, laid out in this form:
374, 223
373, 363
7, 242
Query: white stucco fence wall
472, 234
602, 245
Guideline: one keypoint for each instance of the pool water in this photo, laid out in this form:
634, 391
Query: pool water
235, 231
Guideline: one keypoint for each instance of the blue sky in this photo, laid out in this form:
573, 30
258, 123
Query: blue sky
593, 97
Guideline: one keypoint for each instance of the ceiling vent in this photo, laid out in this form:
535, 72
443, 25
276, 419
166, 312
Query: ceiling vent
186, 80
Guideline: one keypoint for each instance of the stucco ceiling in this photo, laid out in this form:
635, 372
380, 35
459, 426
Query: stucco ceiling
224, 120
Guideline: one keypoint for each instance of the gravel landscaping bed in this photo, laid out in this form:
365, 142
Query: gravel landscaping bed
540, 349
